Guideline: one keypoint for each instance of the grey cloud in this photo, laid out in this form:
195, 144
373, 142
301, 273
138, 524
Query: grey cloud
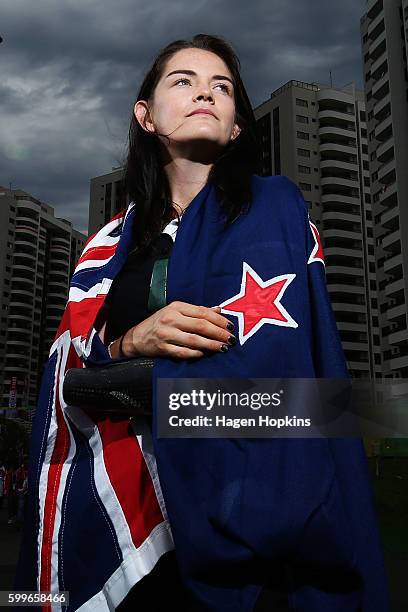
71, 71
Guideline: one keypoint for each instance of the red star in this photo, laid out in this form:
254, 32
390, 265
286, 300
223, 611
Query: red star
317, 251
258, 302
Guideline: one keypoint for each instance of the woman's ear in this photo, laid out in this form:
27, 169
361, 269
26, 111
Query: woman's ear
142, 114
236, 130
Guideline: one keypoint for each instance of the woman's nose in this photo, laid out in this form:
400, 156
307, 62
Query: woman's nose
205, 93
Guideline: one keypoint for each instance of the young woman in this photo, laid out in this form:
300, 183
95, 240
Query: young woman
127, 520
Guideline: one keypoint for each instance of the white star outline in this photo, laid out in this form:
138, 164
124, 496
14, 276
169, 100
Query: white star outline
312, 257
290, 321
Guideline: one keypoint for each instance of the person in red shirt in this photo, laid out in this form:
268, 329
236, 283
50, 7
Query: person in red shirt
21, 476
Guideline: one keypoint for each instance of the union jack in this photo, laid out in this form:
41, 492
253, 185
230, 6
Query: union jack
90, 474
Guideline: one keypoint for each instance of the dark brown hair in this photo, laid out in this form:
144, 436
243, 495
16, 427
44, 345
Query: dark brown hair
145, 180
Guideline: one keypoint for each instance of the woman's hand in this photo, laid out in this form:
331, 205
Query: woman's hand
180, 330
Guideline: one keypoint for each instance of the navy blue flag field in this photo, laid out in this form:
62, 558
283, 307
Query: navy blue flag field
108, 499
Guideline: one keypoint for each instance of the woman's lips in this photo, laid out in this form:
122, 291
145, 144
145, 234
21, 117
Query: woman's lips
202, 112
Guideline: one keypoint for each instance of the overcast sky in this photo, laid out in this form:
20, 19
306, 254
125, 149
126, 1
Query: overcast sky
71, 69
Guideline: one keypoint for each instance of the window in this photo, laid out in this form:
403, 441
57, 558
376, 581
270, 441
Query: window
305, 186
303, 152
301, 102
304, 169
302, 135
302, 119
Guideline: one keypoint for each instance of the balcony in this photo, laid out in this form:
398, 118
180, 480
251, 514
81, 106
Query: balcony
327, 181
389, 191
345, 289
396, 312
394, 287
342, 199
383, 130
336, 148
398, 362
381, 104
341, 216
338, 131
376, 42
374, 23
22, 218
385, 150
340, 164
343, 117
339, 306
392, 262
338, 251
335, 269
377, 89
386, 174
390, 216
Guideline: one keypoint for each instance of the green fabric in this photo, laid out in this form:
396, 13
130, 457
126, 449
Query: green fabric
157, 293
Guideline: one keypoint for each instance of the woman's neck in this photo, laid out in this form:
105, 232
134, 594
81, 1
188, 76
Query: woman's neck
186, 179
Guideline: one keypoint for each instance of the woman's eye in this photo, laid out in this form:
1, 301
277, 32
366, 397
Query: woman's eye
226, 88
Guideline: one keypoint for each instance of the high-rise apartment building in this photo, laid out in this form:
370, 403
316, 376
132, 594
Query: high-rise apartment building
37, 258
316, 135
384, 39
107, 198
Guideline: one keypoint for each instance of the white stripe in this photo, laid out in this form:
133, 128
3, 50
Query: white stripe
77, 295
55, 587
42, 489
143, 434
92, 263
138, 564
103, 484
171, 229
102, 238
57, 502
83, 346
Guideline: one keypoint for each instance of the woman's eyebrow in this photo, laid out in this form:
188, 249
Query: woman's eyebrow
192, 73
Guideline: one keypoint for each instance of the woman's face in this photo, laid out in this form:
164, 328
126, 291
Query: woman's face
207, 85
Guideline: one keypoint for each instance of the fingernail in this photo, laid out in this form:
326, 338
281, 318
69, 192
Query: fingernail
230, 326
232, 340
224, 348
